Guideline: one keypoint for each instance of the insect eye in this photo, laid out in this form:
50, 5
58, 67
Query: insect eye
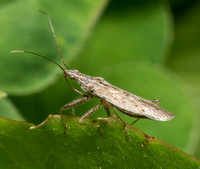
72, 76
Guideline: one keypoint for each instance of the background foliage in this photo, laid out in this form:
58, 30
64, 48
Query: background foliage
147, 48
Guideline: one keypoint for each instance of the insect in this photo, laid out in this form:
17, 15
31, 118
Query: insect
109, 95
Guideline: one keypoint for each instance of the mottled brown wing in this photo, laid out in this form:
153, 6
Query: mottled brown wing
131, 104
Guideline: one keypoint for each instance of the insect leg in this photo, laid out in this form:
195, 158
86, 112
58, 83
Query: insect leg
135, 121
73, 112
120, 120
59, 50
72, 104
73, 87
106, 106
107, 111
89, 113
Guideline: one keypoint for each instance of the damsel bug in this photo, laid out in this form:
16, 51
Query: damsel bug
109, 95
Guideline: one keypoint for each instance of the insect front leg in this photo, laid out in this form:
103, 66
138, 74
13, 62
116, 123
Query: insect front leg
89, 113
72, 104
73, 87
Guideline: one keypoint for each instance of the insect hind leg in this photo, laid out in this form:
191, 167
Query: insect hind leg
121, 121
72, 104
135, 121
107, 111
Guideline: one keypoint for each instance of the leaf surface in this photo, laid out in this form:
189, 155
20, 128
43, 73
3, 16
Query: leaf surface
84, 147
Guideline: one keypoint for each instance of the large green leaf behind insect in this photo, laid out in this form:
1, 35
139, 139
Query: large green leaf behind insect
7, 109
185, 61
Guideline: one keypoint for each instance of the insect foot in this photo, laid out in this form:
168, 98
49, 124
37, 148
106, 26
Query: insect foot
89, 113
104, 119
71, 105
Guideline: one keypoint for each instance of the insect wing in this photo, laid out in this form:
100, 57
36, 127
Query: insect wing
131, 104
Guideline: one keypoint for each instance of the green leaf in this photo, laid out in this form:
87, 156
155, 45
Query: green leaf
185, 61
8, 110
24, 28
124, 34
84, 147
2, 94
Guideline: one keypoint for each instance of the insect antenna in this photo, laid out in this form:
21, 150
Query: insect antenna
58, 46
33, 53
54, 35
24, 51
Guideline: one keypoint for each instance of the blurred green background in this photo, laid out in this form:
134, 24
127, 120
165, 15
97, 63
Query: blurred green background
149, 48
